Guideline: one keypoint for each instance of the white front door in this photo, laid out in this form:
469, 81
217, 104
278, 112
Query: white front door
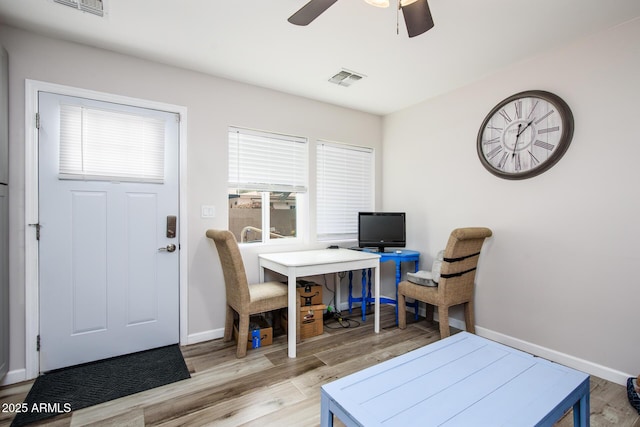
109, 279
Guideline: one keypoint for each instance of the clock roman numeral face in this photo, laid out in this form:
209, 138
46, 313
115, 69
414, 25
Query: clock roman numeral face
523, 133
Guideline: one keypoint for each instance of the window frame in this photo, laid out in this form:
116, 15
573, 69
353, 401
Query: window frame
350, 234
299, 186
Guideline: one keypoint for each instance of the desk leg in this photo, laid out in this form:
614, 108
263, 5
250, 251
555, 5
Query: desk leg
291, 318
350, 290
337, 290
377, 299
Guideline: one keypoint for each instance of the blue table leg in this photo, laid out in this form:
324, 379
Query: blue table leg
326, 417
581, 411
366, 298
350, 289
363, 306
398, 277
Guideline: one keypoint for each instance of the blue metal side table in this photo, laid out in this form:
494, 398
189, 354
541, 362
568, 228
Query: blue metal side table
398, 257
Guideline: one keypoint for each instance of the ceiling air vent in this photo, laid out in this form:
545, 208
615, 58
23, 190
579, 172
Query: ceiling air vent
346, 78
92, 6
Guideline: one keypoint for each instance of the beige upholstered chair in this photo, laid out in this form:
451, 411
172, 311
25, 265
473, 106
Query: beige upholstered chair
457, 277
243, 298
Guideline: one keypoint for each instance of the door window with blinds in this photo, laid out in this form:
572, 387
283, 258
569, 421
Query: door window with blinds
100, 143
345, 183
267, 178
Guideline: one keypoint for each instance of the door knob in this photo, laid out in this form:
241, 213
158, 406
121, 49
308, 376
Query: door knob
169, 248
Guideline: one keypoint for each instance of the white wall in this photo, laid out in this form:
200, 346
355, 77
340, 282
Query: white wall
212, 103
561, 271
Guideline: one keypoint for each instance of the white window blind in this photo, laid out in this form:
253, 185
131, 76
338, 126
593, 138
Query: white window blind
110, 145
345, 187
261, 161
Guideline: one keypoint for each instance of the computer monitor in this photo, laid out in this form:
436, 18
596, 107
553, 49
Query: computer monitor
382, 230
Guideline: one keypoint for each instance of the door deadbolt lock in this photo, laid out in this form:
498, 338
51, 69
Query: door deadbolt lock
171, 226
169, 248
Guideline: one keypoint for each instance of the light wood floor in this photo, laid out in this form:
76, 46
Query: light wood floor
269, 389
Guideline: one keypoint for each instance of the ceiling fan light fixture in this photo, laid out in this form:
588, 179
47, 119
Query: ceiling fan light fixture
378, 3
417, 16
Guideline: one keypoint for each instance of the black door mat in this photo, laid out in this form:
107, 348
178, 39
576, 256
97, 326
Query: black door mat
69, 389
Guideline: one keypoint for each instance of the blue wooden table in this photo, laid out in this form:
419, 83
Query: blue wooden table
462, 380
398, 257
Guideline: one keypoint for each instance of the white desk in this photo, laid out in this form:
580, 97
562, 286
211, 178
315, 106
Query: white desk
315, 262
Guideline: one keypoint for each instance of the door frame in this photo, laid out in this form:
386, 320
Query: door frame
32, 284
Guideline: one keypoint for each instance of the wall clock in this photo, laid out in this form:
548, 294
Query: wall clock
525, 134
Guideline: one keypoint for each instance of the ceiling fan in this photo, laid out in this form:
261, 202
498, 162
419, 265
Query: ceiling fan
417, 15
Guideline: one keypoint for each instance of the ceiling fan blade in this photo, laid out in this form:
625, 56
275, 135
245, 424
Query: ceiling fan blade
417, 17
310, 11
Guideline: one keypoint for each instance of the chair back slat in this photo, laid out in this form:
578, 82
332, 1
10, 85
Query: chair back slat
461, 255
235, 277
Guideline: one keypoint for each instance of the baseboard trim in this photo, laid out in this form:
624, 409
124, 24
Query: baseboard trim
591, 368
583, 365
199, 337
15, 376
